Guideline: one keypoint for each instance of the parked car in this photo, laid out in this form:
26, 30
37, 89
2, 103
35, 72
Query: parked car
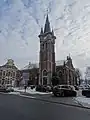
40, 88
86, 92
3, 89
64, 90
10, 89
43, 88
49, 88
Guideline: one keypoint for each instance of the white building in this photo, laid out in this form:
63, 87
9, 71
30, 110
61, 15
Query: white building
26, 73
8, 73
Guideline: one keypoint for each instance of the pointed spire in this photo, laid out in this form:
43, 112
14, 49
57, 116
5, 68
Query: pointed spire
64, 63
41, 31
47, 25
52, 32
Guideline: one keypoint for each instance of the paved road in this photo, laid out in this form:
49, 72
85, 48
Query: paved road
52, 98
18, 108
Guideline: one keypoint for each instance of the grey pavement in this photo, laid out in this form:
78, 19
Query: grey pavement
51, 98
18, 108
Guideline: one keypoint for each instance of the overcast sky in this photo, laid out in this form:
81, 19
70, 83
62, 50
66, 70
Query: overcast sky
20, 22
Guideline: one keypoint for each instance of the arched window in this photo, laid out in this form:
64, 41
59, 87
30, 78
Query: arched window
60, 73
44, 73
3, 73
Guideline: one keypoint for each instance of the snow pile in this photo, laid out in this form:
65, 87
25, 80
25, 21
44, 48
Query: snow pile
30, 91
83, 100
15, 93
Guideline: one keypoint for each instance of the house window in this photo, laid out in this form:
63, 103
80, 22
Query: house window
13, 74
44, 73
3, 73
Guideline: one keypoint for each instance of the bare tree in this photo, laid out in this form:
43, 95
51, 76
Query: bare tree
78, 74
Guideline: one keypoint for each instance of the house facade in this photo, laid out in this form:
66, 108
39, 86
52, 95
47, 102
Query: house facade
8, 73
29, 75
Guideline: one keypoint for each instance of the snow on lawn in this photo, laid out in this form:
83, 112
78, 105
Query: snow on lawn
15, 93
29, 90
83, 100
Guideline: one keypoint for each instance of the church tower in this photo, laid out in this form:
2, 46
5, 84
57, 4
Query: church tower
47, 54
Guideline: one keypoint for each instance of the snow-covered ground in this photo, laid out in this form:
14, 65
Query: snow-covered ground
83, 101
15, 93
29, 90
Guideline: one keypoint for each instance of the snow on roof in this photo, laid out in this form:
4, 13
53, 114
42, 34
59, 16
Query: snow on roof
36, 65
30, 66
60, 62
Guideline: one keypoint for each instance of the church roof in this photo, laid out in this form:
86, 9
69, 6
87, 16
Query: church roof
30, 66
60, 62
36, 65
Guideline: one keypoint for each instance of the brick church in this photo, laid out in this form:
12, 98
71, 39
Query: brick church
47, 65
42, 73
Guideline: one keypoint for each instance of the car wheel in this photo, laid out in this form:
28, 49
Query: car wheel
55, 95
74, 95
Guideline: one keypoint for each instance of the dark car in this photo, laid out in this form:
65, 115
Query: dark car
43, 88
3, 89
86, 92
49, 88
64, 90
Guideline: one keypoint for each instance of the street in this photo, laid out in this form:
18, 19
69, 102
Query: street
14, 107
